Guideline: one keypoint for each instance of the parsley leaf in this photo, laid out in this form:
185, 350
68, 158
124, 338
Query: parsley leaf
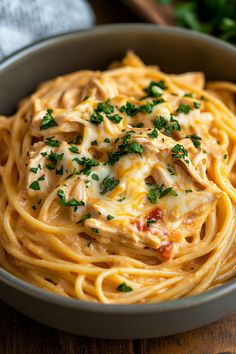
95, 177
179, 152
34, 169
108, 184
153, 134
84, 217
195, 139
94, 142
124, 288
171, 172
197, 104
95, 230
48, 120
74, 149
52, 142
96, 118
184, 108
71, 202
116, 118
35, 186
139, 125
153, 90
135, 148
105, 107
110, 217
152, 195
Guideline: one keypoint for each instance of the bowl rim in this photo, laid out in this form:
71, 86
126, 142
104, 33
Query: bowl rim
99, 308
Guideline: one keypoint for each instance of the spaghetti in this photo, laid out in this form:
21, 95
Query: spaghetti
119, 186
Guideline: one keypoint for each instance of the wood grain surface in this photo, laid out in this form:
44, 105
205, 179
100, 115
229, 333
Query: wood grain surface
21, 335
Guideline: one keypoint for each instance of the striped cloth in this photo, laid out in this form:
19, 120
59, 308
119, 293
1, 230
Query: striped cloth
25, 21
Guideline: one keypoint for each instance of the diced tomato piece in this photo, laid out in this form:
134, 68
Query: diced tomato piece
156, 214
166, 250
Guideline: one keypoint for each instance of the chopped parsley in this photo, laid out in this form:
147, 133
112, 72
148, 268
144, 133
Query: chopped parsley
163, 192
188, 94
195, 139
197, 105
121, 199
54, 157
131, 110
77, 139
153, 89
151, 221
105, 107
116, 118
188, 191
107, 140
153, 134
52, 142
162, 124
171, 172
35, 185
102, 107
179, 152
108, 184
96, 118
152, 195
87, 163
59, 171
74, 149
184, 108
43, 153
159, 191
95, 230
95, 177
84, 217
110, 217
71, 202
225, 156
34, 169
124, 148
124, 288
134, 147
139, 125
94, 142
48, 120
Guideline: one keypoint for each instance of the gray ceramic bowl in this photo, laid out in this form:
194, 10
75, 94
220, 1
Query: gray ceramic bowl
174, 50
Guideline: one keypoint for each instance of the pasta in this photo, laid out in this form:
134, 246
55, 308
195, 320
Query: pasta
119, 186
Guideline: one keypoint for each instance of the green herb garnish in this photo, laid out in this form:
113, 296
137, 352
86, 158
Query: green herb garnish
124, 288
52, 142
179, 152
110, 217
71, 202
184, 108
48, 120
74, 149
153, 134
108, 184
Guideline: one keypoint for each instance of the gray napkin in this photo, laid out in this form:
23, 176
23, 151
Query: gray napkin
25, 21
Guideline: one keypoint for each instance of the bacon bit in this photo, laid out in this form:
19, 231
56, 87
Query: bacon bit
156, 214
166, 250
141, 226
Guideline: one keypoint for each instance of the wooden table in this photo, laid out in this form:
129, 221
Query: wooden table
21, 335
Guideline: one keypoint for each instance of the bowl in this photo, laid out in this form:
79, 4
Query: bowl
174, 50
